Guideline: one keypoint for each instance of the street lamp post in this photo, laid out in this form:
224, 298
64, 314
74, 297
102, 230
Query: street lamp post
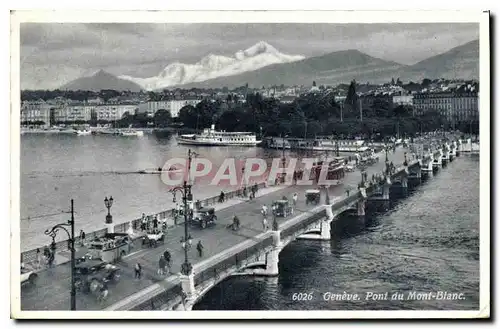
283, 159
185, 191
71, 244
108, 203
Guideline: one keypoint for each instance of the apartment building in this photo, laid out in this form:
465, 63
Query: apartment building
113, 112
173, 106
456, 107
35, 113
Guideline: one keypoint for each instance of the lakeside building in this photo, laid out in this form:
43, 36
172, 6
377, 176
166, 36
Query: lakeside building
71, 113
172, 106
35, 113
113, 112
456, 107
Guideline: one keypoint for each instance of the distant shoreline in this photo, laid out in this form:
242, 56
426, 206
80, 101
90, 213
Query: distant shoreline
96, 129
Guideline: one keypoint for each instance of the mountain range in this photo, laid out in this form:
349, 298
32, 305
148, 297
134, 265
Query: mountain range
214, 66
263, 65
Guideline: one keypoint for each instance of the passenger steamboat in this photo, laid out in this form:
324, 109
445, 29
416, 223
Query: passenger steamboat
211, 137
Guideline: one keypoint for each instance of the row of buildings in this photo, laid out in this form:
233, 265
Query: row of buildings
458, 104
47, 113
457, 101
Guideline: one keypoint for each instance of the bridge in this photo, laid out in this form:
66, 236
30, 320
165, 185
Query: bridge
249, 251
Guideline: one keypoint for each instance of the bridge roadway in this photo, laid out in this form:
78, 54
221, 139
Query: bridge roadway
51, 291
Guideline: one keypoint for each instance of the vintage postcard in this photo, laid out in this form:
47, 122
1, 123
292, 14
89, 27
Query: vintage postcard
331, 164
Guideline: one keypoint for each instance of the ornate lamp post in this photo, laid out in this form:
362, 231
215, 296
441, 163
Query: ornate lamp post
185, 191
71, 245
108, 203
283, 159
186, 241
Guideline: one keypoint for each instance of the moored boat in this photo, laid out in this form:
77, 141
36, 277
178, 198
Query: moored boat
84, 132
137, 133
211, 137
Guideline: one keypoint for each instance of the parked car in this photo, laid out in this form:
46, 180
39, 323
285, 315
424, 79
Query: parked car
28, 276
313, 196
204, 217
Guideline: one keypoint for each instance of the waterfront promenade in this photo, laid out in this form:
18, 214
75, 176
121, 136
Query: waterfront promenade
52, 289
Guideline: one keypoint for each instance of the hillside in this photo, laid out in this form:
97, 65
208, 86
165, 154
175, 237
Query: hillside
461, 62
101, 80
333, 68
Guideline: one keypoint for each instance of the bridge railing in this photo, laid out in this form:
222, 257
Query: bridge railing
238, 259
29, 256
292, 229
156, 303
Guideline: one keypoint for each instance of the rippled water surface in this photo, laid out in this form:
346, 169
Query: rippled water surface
427, 242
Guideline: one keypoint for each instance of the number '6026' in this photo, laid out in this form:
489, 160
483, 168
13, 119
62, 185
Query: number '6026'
302, 296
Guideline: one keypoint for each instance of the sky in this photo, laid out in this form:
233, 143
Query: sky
55, 53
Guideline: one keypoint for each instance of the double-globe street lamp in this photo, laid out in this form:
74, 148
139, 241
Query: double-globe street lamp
108, 203
71, 246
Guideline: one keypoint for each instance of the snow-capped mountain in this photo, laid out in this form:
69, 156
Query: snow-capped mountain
213, 66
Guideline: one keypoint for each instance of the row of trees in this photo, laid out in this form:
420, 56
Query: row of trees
309, 116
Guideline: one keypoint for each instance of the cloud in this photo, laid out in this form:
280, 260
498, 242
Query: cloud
53, 53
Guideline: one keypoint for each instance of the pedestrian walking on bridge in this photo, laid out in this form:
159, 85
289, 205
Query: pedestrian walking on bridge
168, 264
295, 197
138, 271
264, 224
162, 263
199, 247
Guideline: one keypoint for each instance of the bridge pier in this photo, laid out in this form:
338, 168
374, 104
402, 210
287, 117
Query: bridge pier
445, 155
190, 295
427, 167
437, 163
415, 175
323, 230
273, 257
458, 147
383, 199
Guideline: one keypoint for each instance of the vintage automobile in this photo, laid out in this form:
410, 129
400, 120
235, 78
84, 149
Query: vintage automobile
91, 274
28, 276
282, 208
111, 247
313, 196
203, 217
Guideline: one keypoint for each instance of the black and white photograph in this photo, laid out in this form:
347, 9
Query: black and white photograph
174, 162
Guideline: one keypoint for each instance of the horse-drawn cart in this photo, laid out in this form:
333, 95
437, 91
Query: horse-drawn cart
153, 238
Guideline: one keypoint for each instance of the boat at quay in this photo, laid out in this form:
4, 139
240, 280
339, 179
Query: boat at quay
211, 137
318, 144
